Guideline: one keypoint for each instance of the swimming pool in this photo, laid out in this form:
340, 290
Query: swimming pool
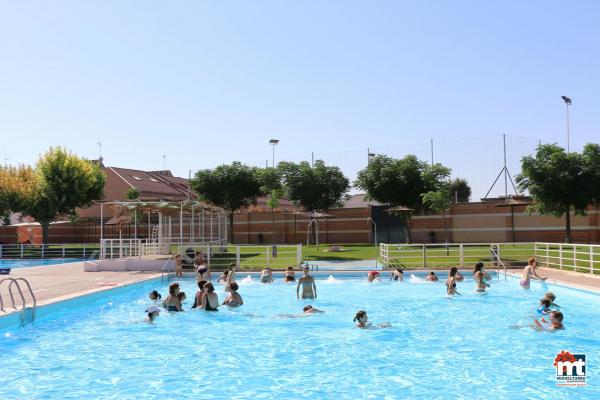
20, 263
436, 348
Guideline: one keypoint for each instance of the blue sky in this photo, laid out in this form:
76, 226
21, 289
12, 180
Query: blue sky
211, 82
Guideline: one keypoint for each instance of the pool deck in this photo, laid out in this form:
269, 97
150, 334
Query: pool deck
574, 279
55, 283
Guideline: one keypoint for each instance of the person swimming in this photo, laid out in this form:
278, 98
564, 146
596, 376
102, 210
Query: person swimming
311, 310
154, 296
233, 299
172, 302
555, 322
432, 277
397, 275
152, 312
544, 307
362, 321
530, 273
550, 296
309, 289
479, 278
266, 276
210, 300
289, 276
373, 276
451, 282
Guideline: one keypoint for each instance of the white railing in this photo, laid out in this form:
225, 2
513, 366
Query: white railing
454, 254
570, 257
120, 248
60, 250
248, 256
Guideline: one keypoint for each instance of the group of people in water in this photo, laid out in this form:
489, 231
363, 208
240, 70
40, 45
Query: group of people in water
550, 318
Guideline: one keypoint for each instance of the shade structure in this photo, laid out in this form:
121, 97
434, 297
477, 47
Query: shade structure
313, 214
399, 209
512, 203
404, 212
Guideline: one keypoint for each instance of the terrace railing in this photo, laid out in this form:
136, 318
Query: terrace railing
455, 254
40, 251
248, 256
571, 257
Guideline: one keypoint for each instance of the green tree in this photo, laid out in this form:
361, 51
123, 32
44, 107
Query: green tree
460, 190
314, 188
132, 193
401, 182
231, 187
270, 181
62, 182
561, 182
438, 202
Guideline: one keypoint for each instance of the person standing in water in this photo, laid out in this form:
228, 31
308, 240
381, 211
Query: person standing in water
451, 282
266, 276
479, 277
530, 273
178, 266
210, 300
309, 289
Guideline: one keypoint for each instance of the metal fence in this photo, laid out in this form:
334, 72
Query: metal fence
569, 257
221, 256
64, 250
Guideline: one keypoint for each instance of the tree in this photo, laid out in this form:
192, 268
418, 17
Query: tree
439, 202
401, 182
132, 193
230, 187
13, 188
561, 182
271, 187
314, 188
460, 190
61, 183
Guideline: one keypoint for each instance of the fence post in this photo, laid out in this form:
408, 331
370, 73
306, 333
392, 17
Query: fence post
299, 253
63, 251
560, 258
574, 258
591, 260
43, 250
21, 251
0, 250
84, 250
461, 255
237, 255
547, 252
268, 260
424, 256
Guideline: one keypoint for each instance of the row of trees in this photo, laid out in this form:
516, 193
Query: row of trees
56, 187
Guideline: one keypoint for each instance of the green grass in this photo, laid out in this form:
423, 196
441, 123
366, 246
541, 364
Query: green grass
351, 252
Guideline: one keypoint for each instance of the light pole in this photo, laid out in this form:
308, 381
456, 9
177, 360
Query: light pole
567, 101
274, 142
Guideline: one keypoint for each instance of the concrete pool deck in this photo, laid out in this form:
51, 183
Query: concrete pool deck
54, 283
574, 279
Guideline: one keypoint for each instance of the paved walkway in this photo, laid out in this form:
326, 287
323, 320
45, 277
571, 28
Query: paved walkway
575, 279
64, 281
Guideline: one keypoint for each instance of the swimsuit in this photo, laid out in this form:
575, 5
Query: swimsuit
172, 308
208, 307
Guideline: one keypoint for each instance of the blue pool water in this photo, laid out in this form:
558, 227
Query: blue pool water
437, 347
10, 263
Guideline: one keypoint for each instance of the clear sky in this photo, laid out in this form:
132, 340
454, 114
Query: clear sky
207, 83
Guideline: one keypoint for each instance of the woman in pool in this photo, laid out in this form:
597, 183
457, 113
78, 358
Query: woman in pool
451, 282
362, 321
233, 298
172, 302
432, 277
529, 273
210, 300
309, 289
178, 266
266, 276
230, 276
479, 277
199, 294
554, 324
373, 276
397, 275
289, 276
202, 273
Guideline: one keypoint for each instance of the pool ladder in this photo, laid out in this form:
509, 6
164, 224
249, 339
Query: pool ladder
27, 313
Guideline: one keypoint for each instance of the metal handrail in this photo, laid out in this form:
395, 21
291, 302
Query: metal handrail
15, 281
93, 255
495, 253
163, 269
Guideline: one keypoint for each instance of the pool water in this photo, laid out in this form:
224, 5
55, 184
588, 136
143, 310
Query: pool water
463, 347
9, 263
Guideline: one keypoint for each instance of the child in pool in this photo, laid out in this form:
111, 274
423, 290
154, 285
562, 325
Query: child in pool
550, 296
181, 296
544, 307
154, 296
555, 322
362, 321
432, 277
153, 312
311, 310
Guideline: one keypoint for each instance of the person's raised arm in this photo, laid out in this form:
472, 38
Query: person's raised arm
314, 286
298, 288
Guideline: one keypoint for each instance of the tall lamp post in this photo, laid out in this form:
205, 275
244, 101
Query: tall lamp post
567, 101
274, 142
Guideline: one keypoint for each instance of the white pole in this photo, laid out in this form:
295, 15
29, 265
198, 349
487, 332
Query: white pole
192, 225
135, 224
181, 223
211, 226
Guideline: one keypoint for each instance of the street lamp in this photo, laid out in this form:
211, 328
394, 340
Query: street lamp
567, 101
274, 142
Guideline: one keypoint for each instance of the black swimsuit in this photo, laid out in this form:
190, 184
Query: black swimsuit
208, 307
